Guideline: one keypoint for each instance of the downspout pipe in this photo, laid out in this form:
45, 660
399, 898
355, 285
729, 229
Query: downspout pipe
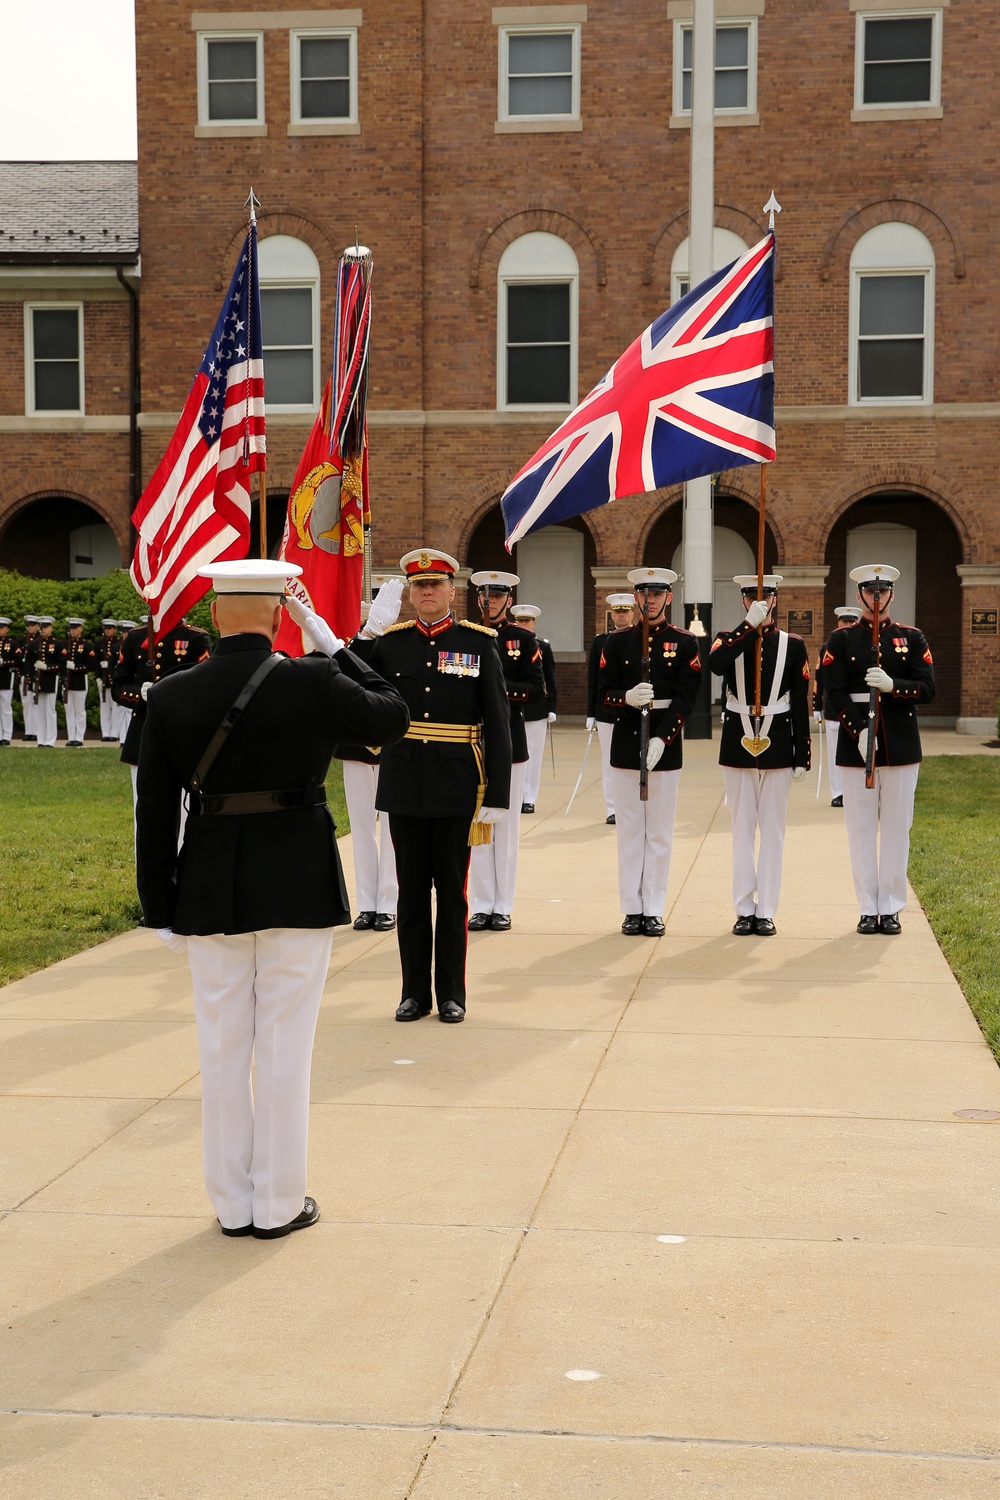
135, 404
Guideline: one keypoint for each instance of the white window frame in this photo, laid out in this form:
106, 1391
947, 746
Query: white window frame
30, 409
541, 278
853, 363
204, 37
918, 13
721, 23
317, 34
570, 28
291, 284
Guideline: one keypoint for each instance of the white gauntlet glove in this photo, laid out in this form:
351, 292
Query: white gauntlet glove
591, 724
173, 940
758, 612
489, 815
656, 749
818, 715
552, 718
144, 691
876, 678
385, 609
640, 694
798, 772
316, 633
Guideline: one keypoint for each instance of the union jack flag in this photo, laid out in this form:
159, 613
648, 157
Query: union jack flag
196, 508
693, 395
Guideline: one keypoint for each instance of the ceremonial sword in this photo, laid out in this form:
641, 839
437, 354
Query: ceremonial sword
583, 764
552, 748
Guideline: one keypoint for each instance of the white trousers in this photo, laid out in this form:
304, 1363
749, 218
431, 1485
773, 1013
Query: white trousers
535, 731
109, 714
832, 727
27, 707
878, 836
123, 720
645, 835
44, 721
6, 713
76, 713
758, 802
256, 1002
375, 881
604, 733
493, 866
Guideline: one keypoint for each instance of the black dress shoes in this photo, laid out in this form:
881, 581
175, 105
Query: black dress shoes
744, 927
384, 922
309, 1215
632, 925
837, 802
868, 925
653, 927
889, 925
764, 927
364, 921
479, 921
235, 1234
610, 819
499, 923
411, 1010
451, 1013
527, 807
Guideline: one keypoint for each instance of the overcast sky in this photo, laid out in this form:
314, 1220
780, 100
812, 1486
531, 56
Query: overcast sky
67, 80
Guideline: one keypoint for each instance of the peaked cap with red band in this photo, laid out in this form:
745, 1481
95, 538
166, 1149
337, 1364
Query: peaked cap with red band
426, 565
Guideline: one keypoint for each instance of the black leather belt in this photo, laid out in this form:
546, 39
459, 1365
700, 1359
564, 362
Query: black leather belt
256, 802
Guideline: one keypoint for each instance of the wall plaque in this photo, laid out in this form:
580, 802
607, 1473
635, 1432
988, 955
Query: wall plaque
984, 622
800, 621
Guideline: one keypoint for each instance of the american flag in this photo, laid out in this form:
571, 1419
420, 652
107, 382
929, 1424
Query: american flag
693, 395
196, 508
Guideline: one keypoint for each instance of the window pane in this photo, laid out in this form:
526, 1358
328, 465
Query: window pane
891, 367
57, 386
538, 314
228, 60
329, 100
903, 40
732, 47
687, 42
540, 54
541, 96
897, 83
891, 305
731, 90
538, 376
685, 91
325, 57
288, 377
232, 101
56, 333
286, 315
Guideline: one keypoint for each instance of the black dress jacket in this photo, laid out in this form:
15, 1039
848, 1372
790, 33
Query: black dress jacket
244, 872
906, 656
47, 663
820, 701
184, 646
11, 655
547, 703
521, 659
788, 731
447, 673
80, 660
674, 672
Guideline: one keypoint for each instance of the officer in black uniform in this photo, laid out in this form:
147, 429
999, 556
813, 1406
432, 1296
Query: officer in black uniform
257, 888
47, 667
107, 654
645, 829
622, 607
446, 785
847, 615
80, 661
10, 666
759, 767
493, 870
183, 646
878, 820
537, 716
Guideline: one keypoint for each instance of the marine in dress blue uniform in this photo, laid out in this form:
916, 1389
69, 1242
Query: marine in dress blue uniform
622, 607
847, 615
10, 667
47, 663
79, 663
539, 716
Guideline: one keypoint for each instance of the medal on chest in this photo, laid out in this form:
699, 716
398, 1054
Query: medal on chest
458, 663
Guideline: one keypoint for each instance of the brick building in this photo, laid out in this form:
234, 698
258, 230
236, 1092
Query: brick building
521, 174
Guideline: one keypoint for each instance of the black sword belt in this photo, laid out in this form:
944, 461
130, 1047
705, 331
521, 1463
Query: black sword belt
226, 803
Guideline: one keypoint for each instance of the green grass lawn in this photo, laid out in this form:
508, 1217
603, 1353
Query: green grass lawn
955, 870
67, 873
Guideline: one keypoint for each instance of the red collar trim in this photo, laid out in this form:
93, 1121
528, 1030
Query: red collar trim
439, 626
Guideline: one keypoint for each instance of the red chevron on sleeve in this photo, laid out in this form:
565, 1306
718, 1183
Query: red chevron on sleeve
928, 657
827, 658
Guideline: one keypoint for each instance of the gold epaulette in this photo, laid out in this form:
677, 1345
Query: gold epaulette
484, 629
399, 625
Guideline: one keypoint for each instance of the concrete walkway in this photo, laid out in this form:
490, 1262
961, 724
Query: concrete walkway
702, 1216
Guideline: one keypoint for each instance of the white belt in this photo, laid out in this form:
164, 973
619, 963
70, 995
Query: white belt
661, 702
781, 707
861, 697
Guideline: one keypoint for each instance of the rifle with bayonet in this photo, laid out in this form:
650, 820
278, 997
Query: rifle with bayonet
644, 711
873, 693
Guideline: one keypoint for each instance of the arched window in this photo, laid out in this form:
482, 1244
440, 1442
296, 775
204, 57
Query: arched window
289, 312
892, 317
726, 247
537, 323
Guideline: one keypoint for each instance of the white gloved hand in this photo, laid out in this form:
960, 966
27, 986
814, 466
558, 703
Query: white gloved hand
552, 718
656, 749
876, 678
316, 633
798, 772
591, 724
385, 609
758, 612
863, 745
144, 691
173, 940
490, 814
640, 694
818, 715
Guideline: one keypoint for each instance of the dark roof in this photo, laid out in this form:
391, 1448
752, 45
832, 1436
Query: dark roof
69, 212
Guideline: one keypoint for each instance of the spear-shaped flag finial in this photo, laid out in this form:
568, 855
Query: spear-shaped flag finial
771, 207
253, 203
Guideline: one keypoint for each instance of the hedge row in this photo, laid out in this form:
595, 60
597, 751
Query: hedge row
93, 599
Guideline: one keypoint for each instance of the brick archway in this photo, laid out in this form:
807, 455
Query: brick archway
879, 210
514, 223
674, 230
72, 507
281, 221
